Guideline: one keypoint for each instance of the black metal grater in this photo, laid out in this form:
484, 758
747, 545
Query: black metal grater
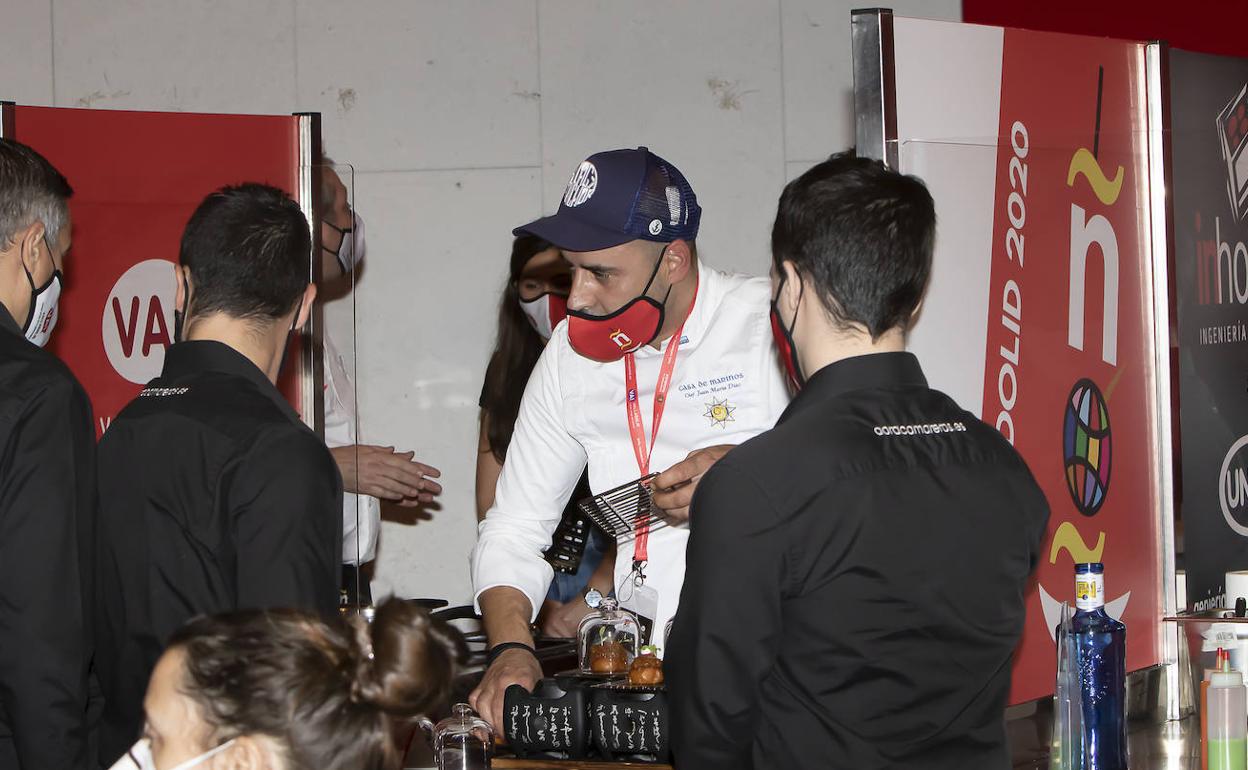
620, 511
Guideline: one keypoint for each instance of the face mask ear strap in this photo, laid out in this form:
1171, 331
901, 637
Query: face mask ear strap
801, 290
542, 296
30, 278
654, 274
294, 322
207, 755
667, 295
343, 233
341, 230
48, 246
180, 316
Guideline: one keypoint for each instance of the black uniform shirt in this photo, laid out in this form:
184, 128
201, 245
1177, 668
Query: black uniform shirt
47, 502
854, 584
213, 497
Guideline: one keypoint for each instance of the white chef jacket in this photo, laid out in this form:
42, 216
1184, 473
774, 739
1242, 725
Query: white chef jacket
573, 411
361, 514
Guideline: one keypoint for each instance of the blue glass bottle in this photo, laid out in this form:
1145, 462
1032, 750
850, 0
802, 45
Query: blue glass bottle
1100, 648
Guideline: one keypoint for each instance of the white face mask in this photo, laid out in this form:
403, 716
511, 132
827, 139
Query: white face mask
139, 757
545, 313
42, 317
351, 249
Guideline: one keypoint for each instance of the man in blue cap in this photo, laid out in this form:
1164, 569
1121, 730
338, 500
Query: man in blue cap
662, 365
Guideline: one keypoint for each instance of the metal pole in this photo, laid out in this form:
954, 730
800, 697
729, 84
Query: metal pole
311, 370
875, 91
1156, 69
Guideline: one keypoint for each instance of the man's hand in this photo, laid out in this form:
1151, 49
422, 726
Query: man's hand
386, 474
563, 620
673, 488
512, 667
505, 612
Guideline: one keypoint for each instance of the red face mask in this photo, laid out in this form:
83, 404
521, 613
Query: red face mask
610, 337
784, 337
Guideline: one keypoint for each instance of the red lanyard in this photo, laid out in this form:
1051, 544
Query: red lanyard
637, 429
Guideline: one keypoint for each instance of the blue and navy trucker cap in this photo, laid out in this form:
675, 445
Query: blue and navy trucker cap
619, 196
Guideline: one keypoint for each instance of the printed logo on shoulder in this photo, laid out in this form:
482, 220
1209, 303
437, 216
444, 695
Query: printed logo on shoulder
925, 429
163, 392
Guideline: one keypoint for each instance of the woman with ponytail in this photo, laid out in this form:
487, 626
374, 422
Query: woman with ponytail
284, 690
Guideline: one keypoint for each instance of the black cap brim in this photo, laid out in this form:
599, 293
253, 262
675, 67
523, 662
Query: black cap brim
571, 234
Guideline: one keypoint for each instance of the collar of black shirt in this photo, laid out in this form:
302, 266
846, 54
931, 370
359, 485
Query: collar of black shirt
878, 370
192, 356
6, 321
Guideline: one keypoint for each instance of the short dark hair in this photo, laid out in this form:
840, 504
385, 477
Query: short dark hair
31, 189
863, 234
248, 249
330, 692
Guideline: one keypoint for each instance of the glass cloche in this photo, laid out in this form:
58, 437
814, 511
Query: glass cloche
607, 639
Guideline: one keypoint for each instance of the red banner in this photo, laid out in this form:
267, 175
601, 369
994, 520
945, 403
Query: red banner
137, 177
1069, 372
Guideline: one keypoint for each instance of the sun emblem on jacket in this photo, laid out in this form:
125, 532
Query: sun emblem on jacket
719, 412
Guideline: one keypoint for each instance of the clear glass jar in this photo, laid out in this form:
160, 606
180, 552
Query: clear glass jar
608, 639
462, 741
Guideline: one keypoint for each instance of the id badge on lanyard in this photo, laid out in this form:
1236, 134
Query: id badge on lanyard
635, 595
641, 600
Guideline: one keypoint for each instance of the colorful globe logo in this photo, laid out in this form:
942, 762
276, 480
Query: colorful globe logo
1086, 444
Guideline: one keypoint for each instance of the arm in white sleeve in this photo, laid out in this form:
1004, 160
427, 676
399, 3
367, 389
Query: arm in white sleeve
543, 465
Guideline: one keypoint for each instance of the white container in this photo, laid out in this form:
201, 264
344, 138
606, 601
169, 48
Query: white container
1228, 721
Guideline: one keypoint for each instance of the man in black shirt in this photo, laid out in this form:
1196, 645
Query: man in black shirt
213, 495
854, 588
47, 483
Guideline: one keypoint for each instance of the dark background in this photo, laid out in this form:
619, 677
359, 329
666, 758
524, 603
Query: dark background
1211, 26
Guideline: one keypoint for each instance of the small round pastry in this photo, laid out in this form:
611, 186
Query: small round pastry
646, 668
608, 658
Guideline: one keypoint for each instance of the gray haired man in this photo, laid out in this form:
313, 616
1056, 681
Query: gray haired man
47, 468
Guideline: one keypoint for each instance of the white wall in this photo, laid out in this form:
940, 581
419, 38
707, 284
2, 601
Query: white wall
463, 119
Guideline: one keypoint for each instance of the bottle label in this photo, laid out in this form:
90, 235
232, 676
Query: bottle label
1089, 591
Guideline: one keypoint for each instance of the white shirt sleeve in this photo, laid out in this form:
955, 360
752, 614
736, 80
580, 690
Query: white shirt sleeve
361, 521
543, 465
361, 514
